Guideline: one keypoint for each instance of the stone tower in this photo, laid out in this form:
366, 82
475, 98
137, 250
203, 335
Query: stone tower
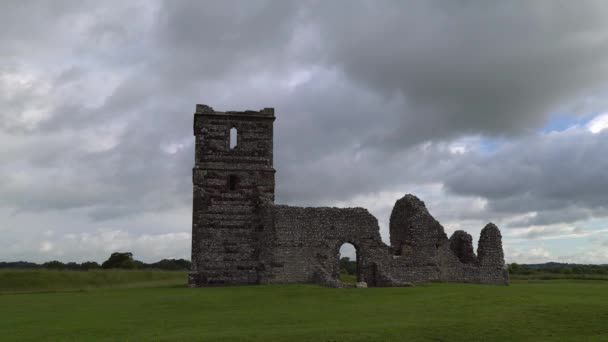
231, 186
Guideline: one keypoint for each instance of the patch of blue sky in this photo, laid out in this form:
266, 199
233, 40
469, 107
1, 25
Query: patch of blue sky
595, 224
560, 122
489, 145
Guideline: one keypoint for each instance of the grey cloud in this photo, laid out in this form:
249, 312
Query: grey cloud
198, 40
475, 67
552, 232
564, 212
383, 88
560, 175
44, 30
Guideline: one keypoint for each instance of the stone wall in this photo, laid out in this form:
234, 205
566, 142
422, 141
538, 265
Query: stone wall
461, 244
307, 241
239, 236
415, 234
427, 254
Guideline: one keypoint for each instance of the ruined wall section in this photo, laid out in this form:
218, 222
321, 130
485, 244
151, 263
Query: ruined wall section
490, 255
230, 187
427, 254
415, 235
461, 243
489, 249
307, 243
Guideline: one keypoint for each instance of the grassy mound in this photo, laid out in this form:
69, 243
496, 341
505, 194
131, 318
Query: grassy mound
50, 281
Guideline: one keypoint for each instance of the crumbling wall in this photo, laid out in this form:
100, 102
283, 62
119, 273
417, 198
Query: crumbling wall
414, 233
490, 251
423, 252
307, 243
461, 243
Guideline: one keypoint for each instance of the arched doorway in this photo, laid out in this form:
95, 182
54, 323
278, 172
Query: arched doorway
348, 263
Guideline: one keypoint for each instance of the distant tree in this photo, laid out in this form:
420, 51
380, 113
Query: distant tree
89, 265
171, 265
349, 266
54, 265
72, 266
514, 268
19, 265
120, 260
184, 264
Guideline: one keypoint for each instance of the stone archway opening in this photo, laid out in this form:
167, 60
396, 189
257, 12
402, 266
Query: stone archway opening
348, 261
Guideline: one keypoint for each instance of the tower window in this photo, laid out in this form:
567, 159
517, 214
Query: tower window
233, 137
233, 181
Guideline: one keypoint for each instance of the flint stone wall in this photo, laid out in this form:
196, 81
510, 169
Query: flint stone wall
239, 236
307, 241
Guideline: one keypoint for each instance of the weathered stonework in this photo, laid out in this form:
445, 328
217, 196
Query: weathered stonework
239, 236
461, 243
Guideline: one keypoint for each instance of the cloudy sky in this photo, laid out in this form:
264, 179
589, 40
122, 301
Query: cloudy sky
487, 111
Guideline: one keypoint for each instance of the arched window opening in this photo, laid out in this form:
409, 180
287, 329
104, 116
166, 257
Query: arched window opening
233, 181
233, 137
348, 263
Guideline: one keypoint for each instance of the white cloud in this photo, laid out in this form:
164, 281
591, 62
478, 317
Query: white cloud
46, 246
598, 124
547, 232
530, 255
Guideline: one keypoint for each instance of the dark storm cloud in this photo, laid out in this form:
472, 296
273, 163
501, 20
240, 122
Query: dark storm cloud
421, 71
469, 67
96, 100
198, 40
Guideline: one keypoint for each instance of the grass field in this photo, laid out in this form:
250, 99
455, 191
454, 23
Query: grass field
12, 281
574, 310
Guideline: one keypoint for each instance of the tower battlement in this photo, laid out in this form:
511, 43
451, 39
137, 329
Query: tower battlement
205, 109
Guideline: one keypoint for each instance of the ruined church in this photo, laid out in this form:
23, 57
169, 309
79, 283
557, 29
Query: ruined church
240, 236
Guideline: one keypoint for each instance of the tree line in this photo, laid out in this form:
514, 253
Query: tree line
117, 260
557, 268
350, 267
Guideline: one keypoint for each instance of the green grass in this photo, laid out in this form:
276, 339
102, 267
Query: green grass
553, 276
347, 278
52, 281
534, 310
